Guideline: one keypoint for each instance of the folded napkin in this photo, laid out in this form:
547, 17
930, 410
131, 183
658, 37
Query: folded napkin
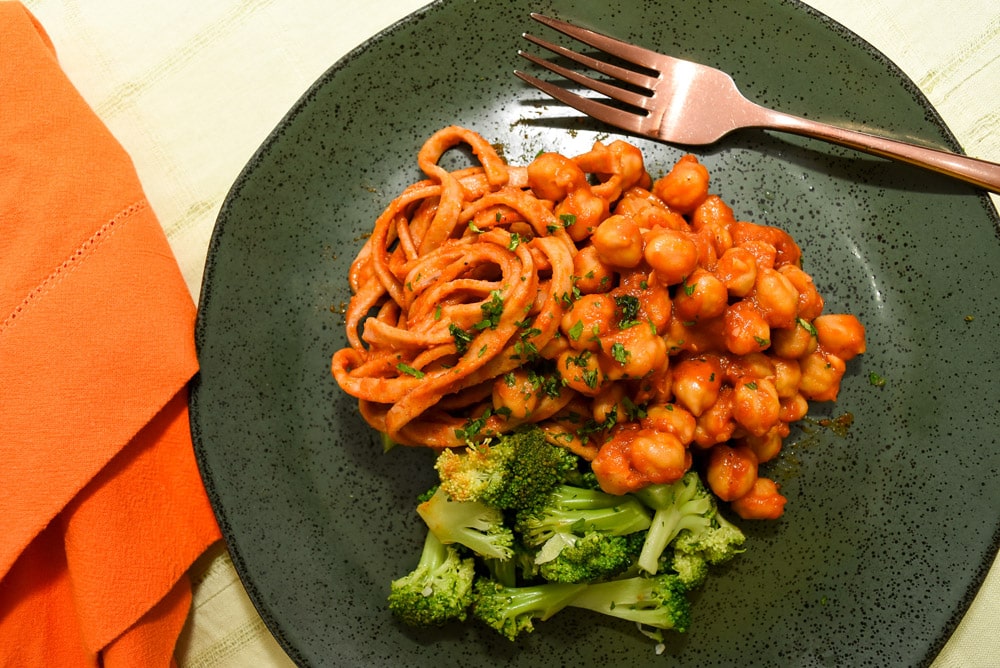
101, 506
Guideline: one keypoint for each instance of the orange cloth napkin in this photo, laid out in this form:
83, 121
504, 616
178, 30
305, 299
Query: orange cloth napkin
102, 510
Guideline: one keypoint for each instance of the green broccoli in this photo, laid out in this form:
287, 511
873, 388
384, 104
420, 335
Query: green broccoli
511, 571
691, 569
719, 542
511, 611
685, 505
659, 601
592, 557
473, 524
572, 512
693, 551
516, 472
438, 590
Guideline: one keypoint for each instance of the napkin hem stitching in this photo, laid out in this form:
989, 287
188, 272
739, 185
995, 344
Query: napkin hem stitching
73, 261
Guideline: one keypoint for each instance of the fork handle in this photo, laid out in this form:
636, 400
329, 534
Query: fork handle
981, 173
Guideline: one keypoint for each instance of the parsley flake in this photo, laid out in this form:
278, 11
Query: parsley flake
407, 369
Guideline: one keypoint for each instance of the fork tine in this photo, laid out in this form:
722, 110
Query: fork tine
591, 107
614, 92
614, 71
616, 47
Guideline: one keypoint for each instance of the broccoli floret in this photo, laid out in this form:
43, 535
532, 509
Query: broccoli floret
473, 524
438, 590
592, 557
719, 542
659, 601
572, 512
511, 571
694, 550
691, 569
511, 611
684, 504
516, 472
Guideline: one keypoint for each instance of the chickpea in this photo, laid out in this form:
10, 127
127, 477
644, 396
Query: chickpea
613, 467
629, 166
555, 347
697, 382
756, 405
685, 186
732, 471
794, 408
773, 244
649, 211
632, 353
717, 237
793, 342
762, 502
764, 254
515, 392
672, 419
581, 211
658, 456
707, 335
810, 301
671, 253
590, 318
703, 296
608, 402
712, 211
552, 176
753, 365
592, 274
768, 445
581, 372
746, 330
716, 425
618, 242
821, 374
840, 334
787, 376
655, 305
776, 298
655, 389
737, 269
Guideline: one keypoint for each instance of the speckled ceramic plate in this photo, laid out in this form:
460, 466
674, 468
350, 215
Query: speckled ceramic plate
889, 529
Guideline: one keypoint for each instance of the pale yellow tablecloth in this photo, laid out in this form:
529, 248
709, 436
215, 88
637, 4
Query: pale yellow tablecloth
191, 88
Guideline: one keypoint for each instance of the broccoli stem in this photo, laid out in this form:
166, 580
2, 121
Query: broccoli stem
660, 602
684, 504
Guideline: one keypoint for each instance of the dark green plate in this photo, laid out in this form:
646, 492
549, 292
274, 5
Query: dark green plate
889, 530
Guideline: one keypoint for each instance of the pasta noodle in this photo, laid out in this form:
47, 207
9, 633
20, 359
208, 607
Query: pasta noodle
637, 322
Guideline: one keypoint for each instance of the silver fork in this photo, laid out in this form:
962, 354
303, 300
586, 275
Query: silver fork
692, 104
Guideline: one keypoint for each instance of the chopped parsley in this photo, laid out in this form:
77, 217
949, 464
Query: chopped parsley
576, 331
407, 369
462, 338
473, 426
628, 305
632, 411
620, 353
492, 310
